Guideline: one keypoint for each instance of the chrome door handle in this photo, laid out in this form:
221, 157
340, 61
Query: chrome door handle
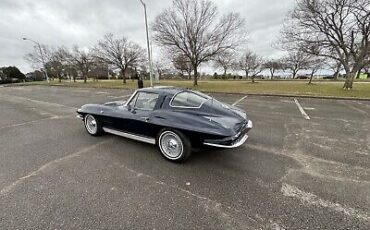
146, 119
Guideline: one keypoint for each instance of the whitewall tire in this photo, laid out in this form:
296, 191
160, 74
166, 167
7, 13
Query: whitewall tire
174, 145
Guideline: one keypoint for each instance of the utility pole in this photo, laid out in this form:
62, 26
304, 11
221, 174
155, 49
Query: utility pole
42, 57
148, 44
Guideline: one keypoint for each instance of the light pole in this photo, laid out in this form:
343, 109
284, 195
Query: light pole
42, 56
147, 41
155, 74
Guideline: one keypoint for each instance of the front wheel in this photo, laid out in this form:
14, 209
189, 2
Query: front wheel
174, 145
92, 125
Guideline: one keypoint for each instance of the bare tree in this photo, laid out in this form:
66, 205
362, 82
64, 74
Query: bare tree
159, 67
273, 66
193, 28
335, 66
339, 28
314, 64
58, 62
82, 59
251, 64
71, 71
119, 52
296, 61
163, 65
182, 63
40, 57
225, 60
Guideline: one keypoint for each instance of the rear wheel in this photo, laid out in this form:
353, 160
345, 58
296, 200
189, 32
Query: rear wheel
92, 125
174, 145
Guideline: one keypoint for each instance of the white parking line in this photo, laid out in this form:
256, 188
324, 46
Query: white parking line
88, 149
42, 102
313, 200
28, 122
301, 109
101, 92
238, 101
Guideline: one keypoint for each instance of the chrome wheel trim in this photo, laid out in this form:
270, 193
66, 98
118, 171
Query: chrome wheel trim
91, 124
171, 145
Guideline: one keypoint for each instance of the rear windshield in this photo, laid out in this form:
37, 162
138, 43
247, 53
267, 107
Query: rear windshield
187, 100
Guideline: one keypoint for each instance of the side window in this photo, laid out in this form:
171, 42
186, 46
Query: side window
145, 101
187, 100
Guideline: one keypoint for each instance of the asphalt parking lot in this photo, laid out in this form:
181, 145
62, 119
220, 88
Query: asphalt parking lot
294, 172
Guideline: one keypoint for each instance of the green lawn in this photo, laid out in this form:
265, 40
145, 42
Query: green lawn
319, 88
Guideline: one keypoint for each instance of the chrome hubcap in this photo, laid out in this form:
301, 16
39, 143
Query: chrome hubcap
91, 124
171, 145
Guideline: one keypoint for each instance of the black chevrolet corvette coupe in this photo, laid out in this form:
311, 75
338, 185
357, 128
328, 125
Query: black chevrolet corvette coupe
175, 119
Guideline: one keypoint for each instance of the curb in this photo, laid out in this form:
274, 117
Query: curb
293, 95
241, 94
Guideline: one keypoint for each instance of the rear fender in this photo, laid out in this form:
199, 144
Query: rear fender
188, 123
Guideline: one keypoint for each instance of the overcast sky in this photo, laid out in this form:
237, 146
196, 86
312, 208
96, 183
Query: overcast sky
83, 22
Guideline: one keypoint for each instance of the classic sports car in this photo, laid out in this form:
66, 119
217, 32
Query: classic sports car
173, 118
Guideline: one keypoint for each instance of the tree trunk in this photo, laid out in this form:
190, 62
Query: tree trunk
123, 72
358, 74
74, 78
246, 74
45, 75
225, 72
195, 75
311, 76
335, 75
252, 77
350, 77
272, 74
60, 78
294, 74
367, 72
85, 77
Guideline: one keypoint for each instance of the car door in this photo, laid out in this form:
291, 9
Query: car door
141, 107
117, 117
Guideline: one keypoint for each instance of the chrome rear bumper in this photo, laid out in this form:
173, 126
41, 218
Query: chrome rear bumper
240, 142
235, 145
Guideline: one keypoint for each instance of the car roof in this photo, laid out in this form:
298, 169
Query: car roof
162, 90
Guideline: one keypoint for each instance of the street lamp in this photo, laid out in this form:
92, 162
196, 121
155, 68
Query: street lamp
42, 57
147, 41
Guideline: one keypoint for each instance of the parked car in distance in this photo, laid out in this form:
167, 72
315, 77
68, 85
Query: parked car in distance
302, 77
174, 119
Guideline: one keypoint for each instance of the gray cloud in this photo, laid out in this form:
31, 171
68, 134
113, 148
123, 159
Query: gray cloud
83, 22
